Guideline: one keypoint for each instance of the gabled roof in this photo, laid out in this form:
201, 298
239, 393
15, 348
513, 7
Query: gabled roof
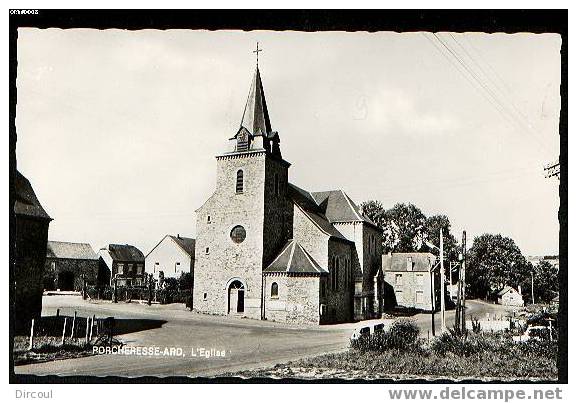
338, 207
293, 258
307, 204
421, 261
185, 243
26, 202
125, 253
506, 290
255, 118
70, 250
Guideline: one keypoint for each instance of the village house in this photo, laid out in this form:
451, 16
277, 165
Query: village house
171, 257
30, 237
123, 262
510, 296
409, 279
69, 265
267, 249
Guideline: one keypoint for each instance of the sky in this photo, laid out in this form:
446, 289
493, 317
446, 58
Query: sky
118, 130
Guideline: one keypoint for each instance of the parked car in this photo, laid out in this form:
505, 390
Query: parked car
367, 330
533, 333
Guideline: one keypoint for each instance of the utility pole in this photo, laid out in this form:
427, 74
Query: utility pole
432, 276
463, 282
532, 288
451, 280
442, 258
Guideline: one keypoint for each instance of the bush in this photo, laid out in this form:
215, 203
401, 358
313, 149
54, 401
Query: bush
185, 281
402, 335
459, 344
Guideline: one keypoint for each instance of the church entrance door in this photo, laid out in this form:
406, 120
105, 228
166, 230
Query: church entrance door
236, 297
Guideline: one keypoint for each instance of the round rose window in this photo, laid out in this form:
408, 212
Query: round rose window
238, 234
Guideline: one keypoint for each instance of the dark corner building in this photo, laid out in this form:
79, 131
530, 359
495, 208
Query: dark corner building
68, 265
125, 262
31, 236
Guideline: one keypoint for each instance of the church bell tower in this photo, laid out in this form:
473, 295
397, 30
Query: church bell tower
248, 219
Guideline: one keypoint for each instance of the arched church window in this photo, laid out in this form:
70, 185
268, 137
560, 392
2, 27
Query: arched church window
274, 290
238, 234
239, 181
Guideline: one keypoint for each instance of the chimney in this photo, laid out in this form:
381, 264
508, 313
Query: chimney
519, 289
178, 236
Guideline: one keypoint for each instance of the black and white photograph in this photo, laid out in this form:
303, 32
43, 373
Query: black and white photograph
288, 196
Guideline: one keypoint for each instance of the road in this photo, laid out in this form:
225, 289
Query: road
248, 344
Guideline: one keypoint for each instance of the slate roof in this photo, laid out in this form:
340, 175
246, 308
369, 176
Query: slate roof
398, 261
70, 250
293, 258
313, 211
125, 253
185, 243
338, 207
26, 202
255, 117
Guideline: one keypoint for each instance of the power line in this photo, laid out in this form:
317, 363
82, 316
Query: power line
467, 77
493, 100
505, 94
501, 108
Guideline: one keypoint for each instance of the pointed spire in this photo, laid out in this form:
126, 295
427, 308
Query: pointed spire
255, 117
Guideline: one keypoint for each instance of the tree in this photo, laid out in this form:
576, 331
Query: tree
493, 262
433, 226
185, 281
546, 281
373, 209
170, 283
403, 226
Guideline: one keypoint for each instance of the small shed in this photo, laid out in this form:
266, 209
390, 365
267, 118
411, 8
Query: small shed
509, 296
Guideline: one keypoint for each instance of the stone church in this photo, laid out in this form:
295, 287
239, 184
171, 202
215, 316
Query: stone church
267, 249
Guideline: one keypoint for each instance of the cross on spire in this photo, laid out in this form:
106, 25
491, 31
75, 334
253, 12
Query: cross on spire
256, 51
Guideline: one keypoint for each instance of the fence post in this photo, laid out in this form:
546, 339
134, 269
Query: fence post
31, 335
91, 327
83, 286
64, 331
115, 298
86, 334
150, 289
73, 332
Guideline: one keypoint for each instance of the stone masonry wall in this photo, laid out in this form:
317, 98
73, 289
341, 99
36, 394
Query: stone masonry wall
339, 301
278, 210
218, 259
297, 301
310, 237
406, 293
77, 267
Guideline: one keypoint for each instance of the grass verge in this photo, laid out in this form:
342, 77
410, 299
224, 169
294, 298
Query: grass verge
48, 348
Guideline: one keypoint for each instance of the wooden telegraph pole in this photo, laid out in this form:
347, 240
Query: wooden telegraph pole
432, 276
442, 258
463, 282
